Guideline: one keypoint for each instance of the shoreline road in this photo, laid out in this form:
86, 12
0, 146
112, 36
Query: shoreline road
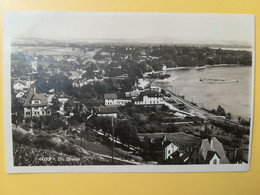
196, 110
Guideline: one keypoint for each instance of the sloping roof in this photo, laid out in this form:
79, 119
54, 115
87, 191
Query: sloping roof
185, 156
110, 96
166, 143
210, 155
106, 110
21, 82
151, 93
213, 145
159, 142
32, 95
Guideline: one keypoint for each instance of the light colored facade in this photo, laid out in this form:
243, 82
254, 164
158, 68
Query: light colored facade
34, 65
155, 88
36, 111
62, 101
112, 100
20, 86
215, 160
149, 98
36, 105
169, 150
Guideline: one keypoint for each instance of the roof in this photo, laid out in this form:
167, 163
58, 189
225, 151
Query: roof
21, 82
151, 93
160, 142
185, 156
32, 95
106, 110
210, 155
213, 144
110, 96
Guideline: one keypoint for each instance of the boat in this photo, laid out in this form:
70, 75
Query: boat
170, 79
200, 67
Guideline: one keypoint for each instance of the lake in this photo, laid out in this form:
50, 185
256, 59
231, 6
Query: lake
233, 97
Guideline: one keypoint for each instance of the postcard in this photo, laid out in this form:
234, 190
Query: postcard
127, 92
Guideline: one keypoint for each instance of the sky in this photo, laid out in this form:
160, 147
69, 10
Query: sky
146, 27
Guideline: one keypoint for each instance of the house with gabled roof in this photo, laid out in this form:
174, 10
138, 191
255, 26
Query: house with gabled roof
164, 148
36, 105
209, 151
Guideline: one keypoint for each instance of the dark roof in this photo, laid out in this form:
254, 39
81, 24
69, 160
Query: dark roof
160, 143
151, 93
213, 145
21, 81
185, 155
106, 110
166, 143
110, 96
32, 95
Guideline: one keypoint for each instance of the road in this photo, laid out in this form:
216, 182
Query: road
197, 110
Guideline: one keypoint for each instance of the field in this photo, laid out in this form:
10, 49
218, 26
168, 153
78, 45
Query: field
179, 138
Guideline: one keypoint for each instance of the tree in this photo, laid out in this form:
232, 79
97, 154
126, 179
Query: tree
126, 132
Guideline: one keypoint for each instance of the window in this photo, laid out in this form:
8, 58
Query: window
28, 113
215, 161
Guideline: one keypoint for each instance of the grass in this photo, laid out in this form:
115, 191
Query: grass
179, 138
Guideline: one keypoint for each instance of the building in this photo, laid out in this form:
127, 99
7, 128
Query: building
20, 85
34, 65
62, 100
36, 105
149, 98
106, 111
112, 100
154, 87
209, 151
164, 148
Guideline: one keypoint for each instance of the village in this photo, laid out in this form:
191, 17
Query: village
101, 102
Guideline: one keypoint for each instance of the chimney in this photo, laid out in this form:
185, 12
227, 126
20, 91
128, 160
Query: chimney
211, 143
164, 138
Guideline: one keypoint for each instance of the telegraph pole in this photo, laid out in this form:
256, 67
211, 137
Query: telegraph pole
113, 139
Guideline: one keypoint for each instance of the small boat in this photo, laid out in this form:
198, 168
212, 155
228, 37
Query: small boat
170, 79
200, 67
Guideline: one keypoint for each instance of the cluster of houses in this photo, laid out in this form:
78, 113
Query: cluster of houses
208, 151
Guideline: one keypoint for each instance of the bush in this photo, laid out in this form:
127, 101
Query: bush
21, 138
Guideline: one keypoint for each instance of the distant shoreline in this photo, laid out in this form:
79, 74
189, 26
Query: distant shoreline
205, 66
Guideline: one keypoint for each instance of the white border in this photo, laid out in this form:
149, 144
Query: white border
103, 168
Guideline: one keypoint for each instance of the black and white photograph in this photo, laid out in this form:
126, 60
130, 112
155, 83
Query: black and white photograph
127, 92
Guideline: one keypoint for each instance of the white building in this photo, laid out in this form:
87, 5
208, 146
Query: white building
20, 86
165, 148
36, 105
149, 98
112, 100
34, 64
